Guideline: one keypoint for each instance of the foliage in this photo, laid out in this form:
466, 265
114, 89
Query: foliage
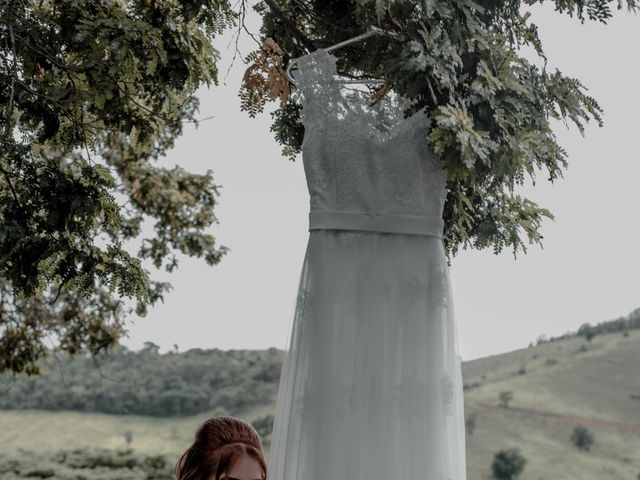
470, 424
582, 438
264, 427
505, 398
489, 107
97, 464
261, 82
92, 93
508, 464
148, 383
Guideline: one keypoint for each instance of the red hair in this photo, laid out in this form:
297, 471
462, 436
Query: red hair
220, 442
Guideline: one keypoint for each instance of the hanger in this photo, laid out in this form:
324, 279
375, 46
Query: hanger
373, 30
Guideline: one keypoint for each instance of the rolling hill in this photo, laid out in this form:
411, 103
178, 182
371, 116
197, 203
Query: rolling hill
555, 386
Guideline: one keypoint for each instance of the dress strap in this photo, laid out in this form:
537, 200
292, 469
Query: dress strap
320, 90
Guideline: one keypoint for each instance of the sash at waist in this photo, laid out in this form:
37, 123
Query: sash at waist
376, 222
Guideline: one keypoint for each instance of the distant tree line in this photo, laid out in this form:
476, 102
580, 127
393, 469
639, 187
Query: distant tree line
146, 382
631, 321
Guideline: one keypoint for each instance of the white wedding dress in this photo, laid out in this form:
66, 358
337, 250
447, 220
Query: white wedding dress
371, 385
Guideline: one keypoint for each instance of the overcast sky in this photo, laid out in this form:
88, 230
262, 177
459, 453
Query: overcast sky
588, 270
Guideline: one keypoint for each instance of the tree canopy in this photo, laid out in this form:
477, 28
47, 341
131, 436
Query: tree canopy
93, 93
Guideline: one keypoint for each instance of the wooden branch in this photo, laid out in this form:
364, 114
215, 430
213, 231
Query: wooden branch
290, 25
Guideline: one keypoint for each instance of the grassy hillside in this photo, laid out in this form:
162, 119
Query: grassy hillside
555, 385
565, 383
49, 431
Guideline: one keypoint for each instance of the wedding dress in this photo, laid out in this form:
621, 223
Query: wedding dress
371, 385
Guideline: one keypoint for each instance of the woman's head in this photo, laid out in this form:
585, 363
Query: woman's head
225, 448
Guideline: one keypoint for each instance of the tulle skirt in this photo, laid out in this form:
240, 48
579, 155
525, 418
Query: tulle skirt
371, 385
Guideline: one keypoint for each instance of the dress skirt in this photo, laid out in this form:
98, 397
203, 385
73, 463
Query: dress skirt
371, 385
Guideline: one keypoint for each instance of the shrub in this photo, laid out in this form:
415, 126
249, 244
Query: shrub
582, 438
505, 398
468, 386
508, 464
470, 424
264, 426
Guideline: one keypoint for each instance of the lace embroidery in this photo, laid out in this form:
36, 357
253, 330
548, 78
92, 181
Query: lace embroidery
347, 237
356, 293
408, 395
342, 141
302, 304
299, 403
438, 286
446, 391
390, 117
399, 171
340, 238
344, 400
388, 112
395, 126
434, 176
315, 73
415, 290
319, 172
348, 171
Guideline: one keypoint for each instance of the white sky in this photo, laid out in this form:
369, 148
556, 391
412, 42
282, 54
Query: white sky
588, 270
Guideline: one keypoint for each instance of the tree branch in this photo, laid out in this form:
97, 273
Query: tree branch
290, 25
8, 129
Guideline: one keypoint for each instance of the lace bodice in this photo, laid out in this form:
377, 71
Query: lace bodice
362, 159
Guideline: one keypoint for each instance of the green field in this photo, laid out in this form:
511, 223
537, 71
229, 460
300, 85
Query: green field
555, 385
